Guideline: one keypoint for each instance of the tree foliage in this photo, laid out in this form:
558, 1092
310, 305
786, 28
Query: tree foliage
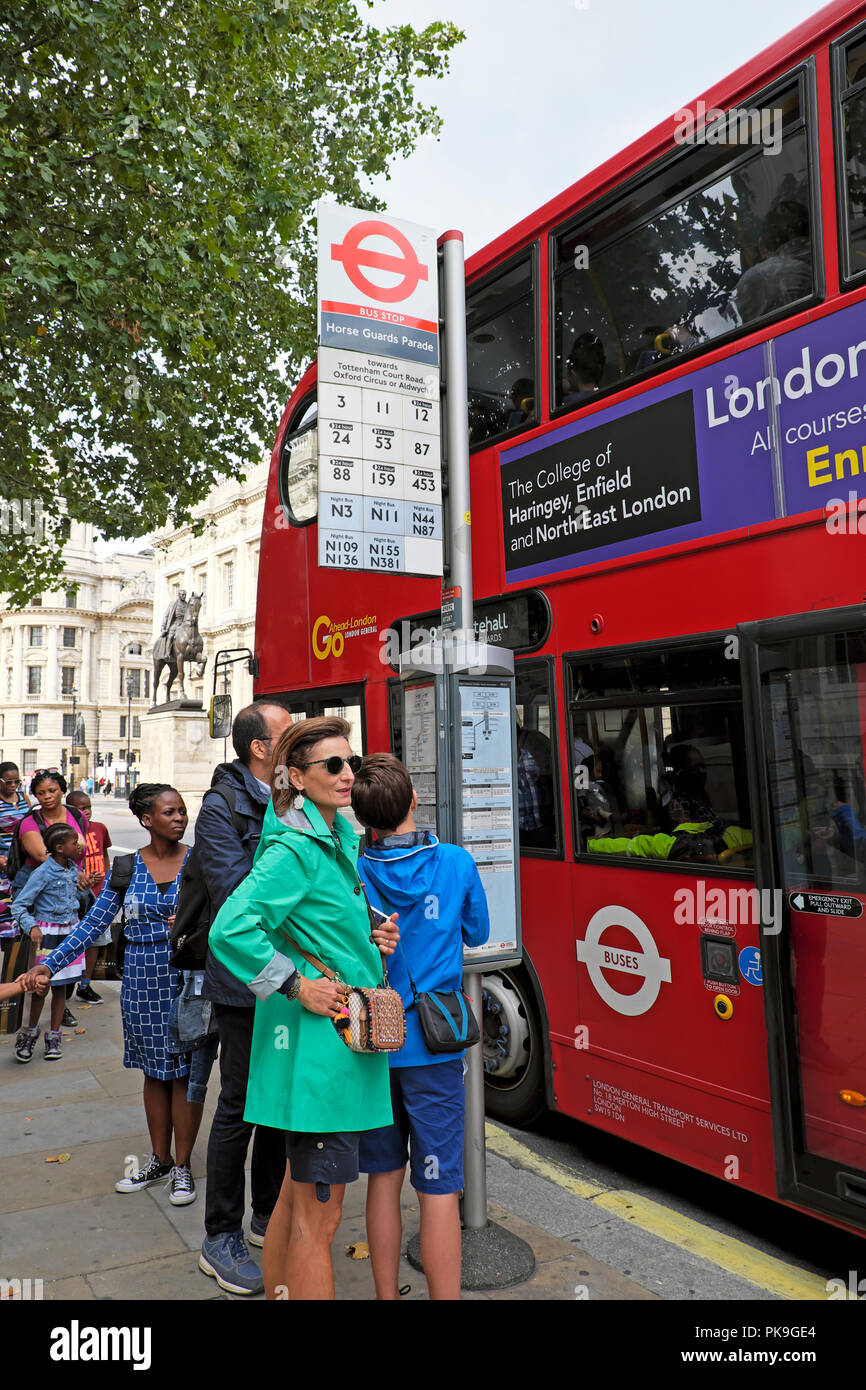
159, 166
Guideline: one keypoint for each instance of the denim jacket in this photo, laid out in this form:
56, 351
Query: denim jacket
53, 894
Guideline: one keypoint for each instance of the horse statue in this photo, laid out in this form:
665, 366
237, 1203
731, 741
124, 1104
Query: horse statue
179, 644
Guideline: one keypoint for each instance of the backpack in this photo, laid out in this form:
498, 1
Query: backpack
118, 881
16, 860
193, 913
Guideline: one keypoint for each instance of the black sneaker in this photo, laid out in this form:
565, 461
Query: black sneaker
88, 995
69, 1019
152, 1172
182, 1186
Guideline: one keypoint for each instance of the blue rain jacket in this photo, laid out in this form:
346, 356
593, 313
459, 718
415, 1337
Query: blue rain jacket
437, 892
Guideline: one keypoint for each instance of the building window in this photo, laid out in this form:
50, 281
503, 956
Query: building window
36, 602
36, 637
30, 725
65, 528
147, 684
71, 598
134, 649
67, 680
134, 677
34, 680
68, 726
123, 726
28, 761
69, 637
229, 583
136, 726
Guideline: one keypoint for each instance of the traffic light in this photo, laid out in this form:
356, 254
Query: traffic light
110, 757
99, 760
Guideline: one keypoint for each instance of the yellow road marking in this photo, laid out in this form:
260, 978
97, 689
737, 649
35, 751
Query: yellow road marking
727, 1253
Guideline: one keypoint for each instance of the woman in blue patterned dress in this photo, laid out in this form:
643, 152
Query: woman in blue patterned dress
13, 807
149, 983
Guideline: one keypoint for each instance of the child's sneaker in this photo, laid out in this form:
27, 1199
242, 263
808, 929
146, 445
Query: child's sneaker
25, 1043
181, 1185
88, 995
53, 1045
151, 1173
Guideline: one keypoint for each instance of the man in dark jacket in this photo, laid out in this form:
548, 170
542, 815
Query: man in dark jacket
225, 854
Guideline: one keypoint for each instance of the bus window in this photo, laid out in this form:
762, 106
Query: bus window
500, 353
297, 478
716, 237
852, 194
537, 811
660, 774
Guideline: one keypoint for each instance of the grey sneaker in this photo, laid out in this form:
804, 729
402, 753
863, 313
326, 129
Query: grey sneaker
53, 1045
152, 1172
24, 1044
258, 1228
182, 1186
226, 1259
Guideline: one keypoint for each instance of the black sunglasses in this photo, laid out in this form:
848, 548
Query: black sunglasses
334, 766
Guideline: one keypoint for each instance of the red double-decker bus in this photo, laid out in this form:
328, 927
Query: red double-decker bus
667, 420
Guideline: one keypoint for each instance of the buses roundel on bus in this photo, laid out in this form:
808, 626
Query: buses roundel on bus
667, 424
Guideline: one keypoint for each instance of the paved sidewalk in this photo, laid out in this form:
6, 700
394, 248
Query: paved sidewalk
65, 1224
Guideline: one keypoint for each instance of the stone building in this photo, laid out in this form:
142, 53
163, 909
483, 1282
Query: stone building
79, 657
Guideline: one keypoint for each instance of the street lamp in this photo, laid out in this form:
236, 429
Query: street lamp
128, 728
74, 694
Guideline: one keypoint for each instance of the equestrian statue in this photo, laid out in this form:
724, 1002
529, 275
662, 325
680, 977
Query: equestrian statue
179, 642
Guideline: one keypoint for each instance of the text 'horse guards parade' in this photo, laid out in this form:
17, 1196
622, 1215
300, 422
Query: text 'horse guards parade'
179, 643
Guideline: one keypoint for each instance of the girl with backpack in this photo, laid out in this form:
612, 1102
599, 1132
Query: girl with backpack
46, 908
149, 892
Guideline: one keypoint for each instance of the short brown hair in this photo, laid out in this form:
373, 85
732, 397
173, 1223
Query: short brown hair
293, 749
382, 794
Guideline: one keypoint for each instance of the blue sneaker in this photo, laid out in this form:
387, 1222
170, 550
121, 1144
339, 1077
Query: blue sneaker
258, 1229
227, 1260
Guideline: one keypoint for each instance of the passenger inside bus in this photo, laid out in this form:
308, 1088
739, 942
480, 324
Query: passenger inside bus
584, 369
535, 805
782, 272
523, 402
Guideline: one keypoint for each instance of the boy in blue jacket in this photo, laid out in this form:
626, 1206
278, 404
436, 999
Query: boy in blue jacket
437, 894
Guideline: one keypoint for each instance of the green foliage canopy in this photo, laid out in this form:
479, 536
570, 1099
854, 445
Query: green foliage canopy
159, 166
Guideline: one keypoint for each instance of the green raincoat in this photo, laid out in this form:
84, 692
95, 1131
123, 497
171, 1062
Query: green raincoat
302, 1076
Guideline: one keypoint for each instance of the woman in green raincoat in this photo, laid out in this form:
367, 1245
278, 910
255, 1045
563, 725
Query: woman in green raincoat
304, 888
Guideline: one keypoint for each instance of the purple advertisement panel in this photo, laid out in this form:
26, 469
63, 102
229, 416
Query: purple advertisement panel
777, 430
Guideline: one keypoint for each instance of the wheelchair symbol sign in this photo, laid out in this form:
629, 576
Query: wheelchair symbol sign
750, 965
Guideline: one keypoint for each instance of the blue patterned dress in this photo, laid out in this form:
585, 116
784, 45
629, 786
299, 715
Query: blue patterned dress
149, 982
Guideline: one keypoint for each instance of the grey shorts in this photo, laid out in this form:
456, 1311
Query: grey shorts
322, 1159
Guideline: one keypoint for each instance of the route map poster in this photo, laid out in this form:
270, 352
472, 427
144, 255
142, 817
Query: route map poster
487, 778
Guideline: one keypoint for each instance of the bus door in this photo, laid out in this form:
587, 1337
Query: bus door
804, 683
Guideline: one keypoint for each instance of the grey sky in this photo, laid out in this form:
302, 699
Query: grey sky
542, 91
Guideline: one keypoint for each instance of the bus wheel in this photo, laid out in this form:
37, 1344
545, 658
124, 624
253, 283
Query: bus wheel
513, 1050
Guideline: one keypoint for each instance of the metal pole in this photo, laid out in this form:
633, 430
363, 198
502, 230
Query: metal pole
72, 743
460, 532
457, 424
128, 731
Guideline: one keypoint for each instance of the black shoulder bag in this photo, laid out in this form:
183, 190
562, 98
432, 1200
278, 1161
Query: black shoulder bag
447, 1018
118, 881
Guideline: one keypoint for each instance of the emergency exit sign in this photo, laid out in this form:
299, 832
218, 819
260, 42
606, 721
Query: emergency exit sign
380, 464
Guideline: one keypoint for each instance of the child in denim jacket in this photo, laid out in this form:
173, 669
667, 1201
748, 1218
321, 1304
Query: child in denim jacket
52, 893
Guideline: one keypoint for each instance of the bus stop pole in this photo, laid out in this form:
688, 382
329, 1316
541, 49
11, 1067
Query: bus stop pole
460, 537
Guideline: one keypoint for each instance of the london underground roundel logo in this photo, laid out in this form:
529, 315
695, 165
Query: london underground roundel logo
356, 257
646, 963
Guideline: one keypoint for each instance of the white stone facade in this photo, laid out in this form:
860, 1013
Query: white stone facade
86, 642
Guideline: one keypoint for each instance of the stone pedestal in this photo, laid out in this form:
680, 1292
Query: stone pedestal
176, 748
81, 768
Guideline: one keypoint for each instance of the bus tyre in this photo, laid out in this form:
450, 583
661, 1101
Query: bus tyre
513, 1049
